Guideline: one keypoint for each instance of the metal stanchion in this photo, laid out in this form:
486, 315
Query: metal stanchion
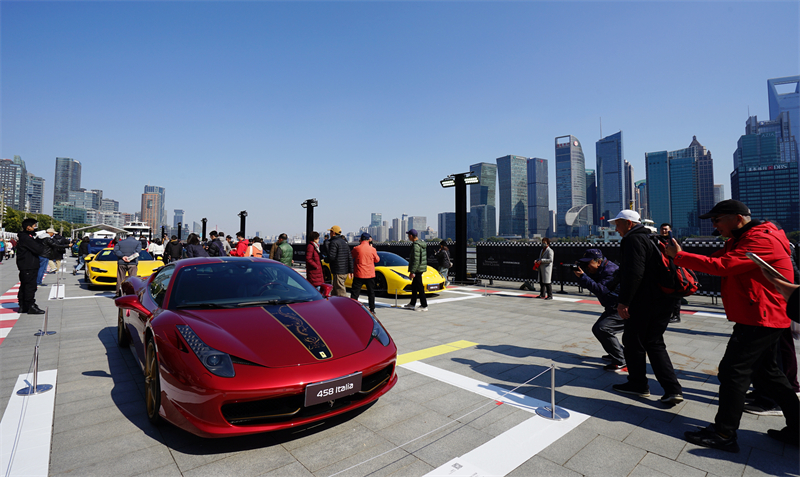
44, 332
553, 412
395, 297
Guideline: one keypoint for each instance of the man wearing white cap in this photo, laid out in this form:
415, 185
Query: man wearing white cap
646, 311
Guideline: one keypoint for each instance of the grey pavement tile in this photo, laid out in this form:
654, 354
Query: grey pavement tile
294, 469
170, 470
132, 411
614, 422
454, 401
715, 461
247, 462
377, 418
422, 394
540, 467
325, 452
670, 466
763, 463
416, 426
154, 460
644, 471
100, 452
380, 460
659, 438
507, 422
604, 456
440, 447
565, 448
85, 436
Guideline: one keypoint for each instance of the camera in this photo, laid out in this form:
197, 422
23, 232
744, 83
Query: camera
573, 266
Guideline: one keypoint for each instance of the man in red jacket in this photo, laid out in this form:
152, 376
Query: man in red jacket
241, 245
364, 259
758, 310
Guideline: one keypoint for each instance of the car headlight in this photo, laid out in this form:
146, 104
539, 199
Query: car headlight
377, 330
405, 277
98, 270
215, 361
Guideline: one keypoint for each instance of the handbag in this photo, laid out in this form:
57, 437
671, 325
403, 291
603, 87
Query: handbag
536, 266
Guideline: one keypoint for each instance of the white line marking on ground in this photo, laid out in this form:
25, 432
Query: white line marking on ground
516, 445
26, 429
101, 295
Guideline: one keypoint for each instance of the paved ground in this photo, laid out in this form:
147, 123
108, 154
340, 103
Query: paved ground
100, 427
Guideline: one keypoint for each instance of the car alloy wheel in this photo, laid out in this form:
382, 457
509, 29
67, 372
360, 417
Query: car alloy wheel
122, 335
152, 383
380, 283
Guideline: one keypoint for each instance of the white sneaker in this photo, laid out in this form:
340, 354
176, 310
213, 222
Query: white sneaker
422, 308
409, 306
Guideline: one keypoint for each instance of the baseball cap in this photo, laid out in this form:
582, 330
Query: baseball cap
627, 214
335, 229
726, 207
413, 232
591, 254
365, 236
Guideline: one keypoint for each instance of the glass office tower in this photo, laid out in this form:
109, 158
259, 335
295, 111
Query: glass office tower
680, 187
161, 212
68, 177
538, 197
765, 177
591, 194
482, 220
786, 102
610, 177
447, 225
512, 174
570, 180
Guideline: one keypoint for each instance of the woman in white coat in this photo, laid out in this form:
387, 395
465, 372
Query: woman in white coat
545, 262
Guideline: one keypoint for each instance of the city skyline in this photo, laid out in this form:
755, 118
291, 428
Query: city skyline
406, 101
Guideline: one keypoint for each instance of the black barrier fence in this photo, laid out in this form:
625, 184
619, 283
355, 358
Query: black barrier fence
513, 261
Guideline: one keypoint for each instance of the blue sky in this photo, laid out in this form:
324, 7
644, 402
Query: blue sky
365, 106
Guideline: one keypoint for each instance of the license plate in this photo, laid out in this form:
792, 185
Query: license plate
437, 286
334, 389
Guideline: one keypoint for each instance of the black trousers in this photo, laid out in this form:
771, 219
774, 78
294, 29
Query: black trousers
418, 288
644, 338
26, 296
605, 330
355, 291
751, 351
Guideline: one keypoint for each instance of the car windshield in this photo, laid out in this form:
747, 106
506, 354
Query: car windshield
99, 242
389, 259
110, 256
239, 283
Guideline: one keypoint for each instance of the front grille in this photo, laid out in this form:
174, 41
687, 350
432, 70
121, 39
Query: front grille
106, 279
285, 408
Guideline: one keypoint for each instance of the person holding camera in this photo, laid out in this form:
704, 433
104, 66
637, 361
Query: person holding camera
599, 275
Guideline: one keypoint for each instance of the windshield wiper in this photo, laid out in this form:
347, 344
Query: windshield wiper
204, 305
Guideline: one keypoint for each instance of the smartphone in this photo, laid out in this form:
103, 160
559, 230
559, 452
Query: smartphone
671, 238
764, 265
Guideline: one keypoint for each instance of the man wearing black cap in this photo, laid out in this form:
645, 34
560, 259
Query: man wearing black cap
364, 259
417, 265
29, 251
757, 310
601, 279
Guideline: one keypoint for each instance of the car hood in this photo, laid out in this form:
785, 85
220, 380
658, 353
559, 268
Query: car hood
285, 335
430, 273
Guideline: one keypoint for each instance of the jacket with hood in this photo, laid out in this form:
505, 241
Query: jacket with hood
241, 248
173, 250
339, 258
255, 250
418, 261
749, 298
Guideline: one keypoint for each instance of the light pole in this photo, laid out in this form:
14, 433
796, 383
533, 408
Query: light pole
180, 234
460, 182
242, 217
204, 220
309, 206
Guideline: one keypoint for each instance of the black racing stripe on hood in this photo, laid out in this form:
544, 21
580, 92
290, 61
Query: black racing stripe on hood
300, 329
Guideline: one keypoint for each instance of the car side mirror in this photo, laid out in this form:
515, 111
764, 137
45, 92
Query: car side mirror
326, 290
131, 302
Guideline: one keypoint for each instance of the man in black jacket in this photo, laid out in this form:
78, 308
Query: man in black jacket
340, 261
83, 251
173, 250
28, 252
646, 311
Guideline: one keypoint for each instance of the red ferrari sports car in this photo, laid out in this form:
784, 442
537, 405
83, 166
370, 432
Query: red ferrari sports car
233, 346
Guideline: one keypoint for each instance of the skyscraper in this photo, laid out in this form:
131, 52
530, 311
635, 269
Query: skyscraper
375, 220
447, 225
14, 182
681, 187
629, 187
641, 198
788, 102
512, 176
538, 197
482, 220
719, 193
764, 178
68, 177
35, 194
109, 205
610, 177
591, 192
419, 223
161, 213
570, 181
151, 211
87, 199
178, 217
395, 234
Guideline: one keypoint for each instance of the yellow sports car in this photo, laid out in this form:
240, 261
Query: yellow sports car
391, 274
101, 268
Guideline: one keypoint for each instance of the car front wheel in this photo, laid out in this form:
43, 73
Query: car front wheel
152, 382
122, 335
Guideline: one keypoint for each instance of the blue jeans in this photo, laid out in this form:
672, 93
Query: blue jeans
42, 268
